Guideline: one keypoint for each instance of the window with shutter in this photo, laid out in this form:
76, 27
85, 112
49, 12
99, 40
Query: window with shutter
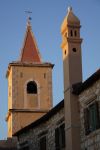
25, 148
91, 118
62, 129
43, 143
86, 121
98, 116
24, 145
57, 142
60, 137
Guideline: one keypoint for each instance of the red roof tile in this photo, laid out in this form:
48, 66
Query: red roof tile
30, 51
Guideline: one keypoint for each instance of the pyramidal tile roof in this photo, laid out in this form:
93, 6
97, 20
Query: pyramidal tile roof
30, 52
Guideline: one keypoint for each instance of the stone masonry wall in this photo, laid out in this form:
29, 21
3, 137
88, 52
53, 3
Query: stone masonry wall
47, 128
92, 140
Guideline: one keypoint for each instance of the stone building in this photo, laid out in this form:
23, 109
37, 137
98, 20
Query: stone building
74, 123
48, 132
89, 100
41, 133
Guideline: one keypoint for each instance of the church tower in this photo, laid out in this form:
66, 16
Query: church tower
29, 86
72, 66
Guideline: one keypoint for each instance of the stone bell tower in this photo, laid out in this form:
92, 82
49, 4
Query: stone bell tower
72, 66
29, 86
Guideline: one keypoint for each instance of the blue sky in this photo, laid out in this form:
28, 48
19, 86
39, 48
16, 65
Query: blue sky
47, 16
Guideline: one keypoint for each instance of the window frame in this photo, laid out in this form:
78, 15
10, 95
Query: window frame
91, 113
43, 143
60, 137
43, 136
24, 145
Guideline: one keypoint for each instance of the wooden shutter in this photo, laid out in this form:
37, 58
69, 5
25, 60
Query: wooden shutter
24, 148
57, 144
43, 143
86, 121
62, 129
97, 115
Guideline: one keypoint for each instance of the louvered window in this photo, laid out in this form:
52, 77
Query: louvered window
43, 143
60, 137
25, 148
91, 118
24, 145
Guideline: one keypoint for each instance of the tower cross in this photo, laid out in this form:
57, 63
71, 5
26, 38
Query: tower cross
28, 13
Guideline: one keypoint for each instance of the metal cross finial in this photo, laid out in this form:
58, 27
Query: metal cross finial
28, 12
29, 18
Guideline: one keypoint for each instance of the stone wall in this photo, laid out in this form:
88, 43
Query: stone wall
46, 128
19, 75
92, 140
